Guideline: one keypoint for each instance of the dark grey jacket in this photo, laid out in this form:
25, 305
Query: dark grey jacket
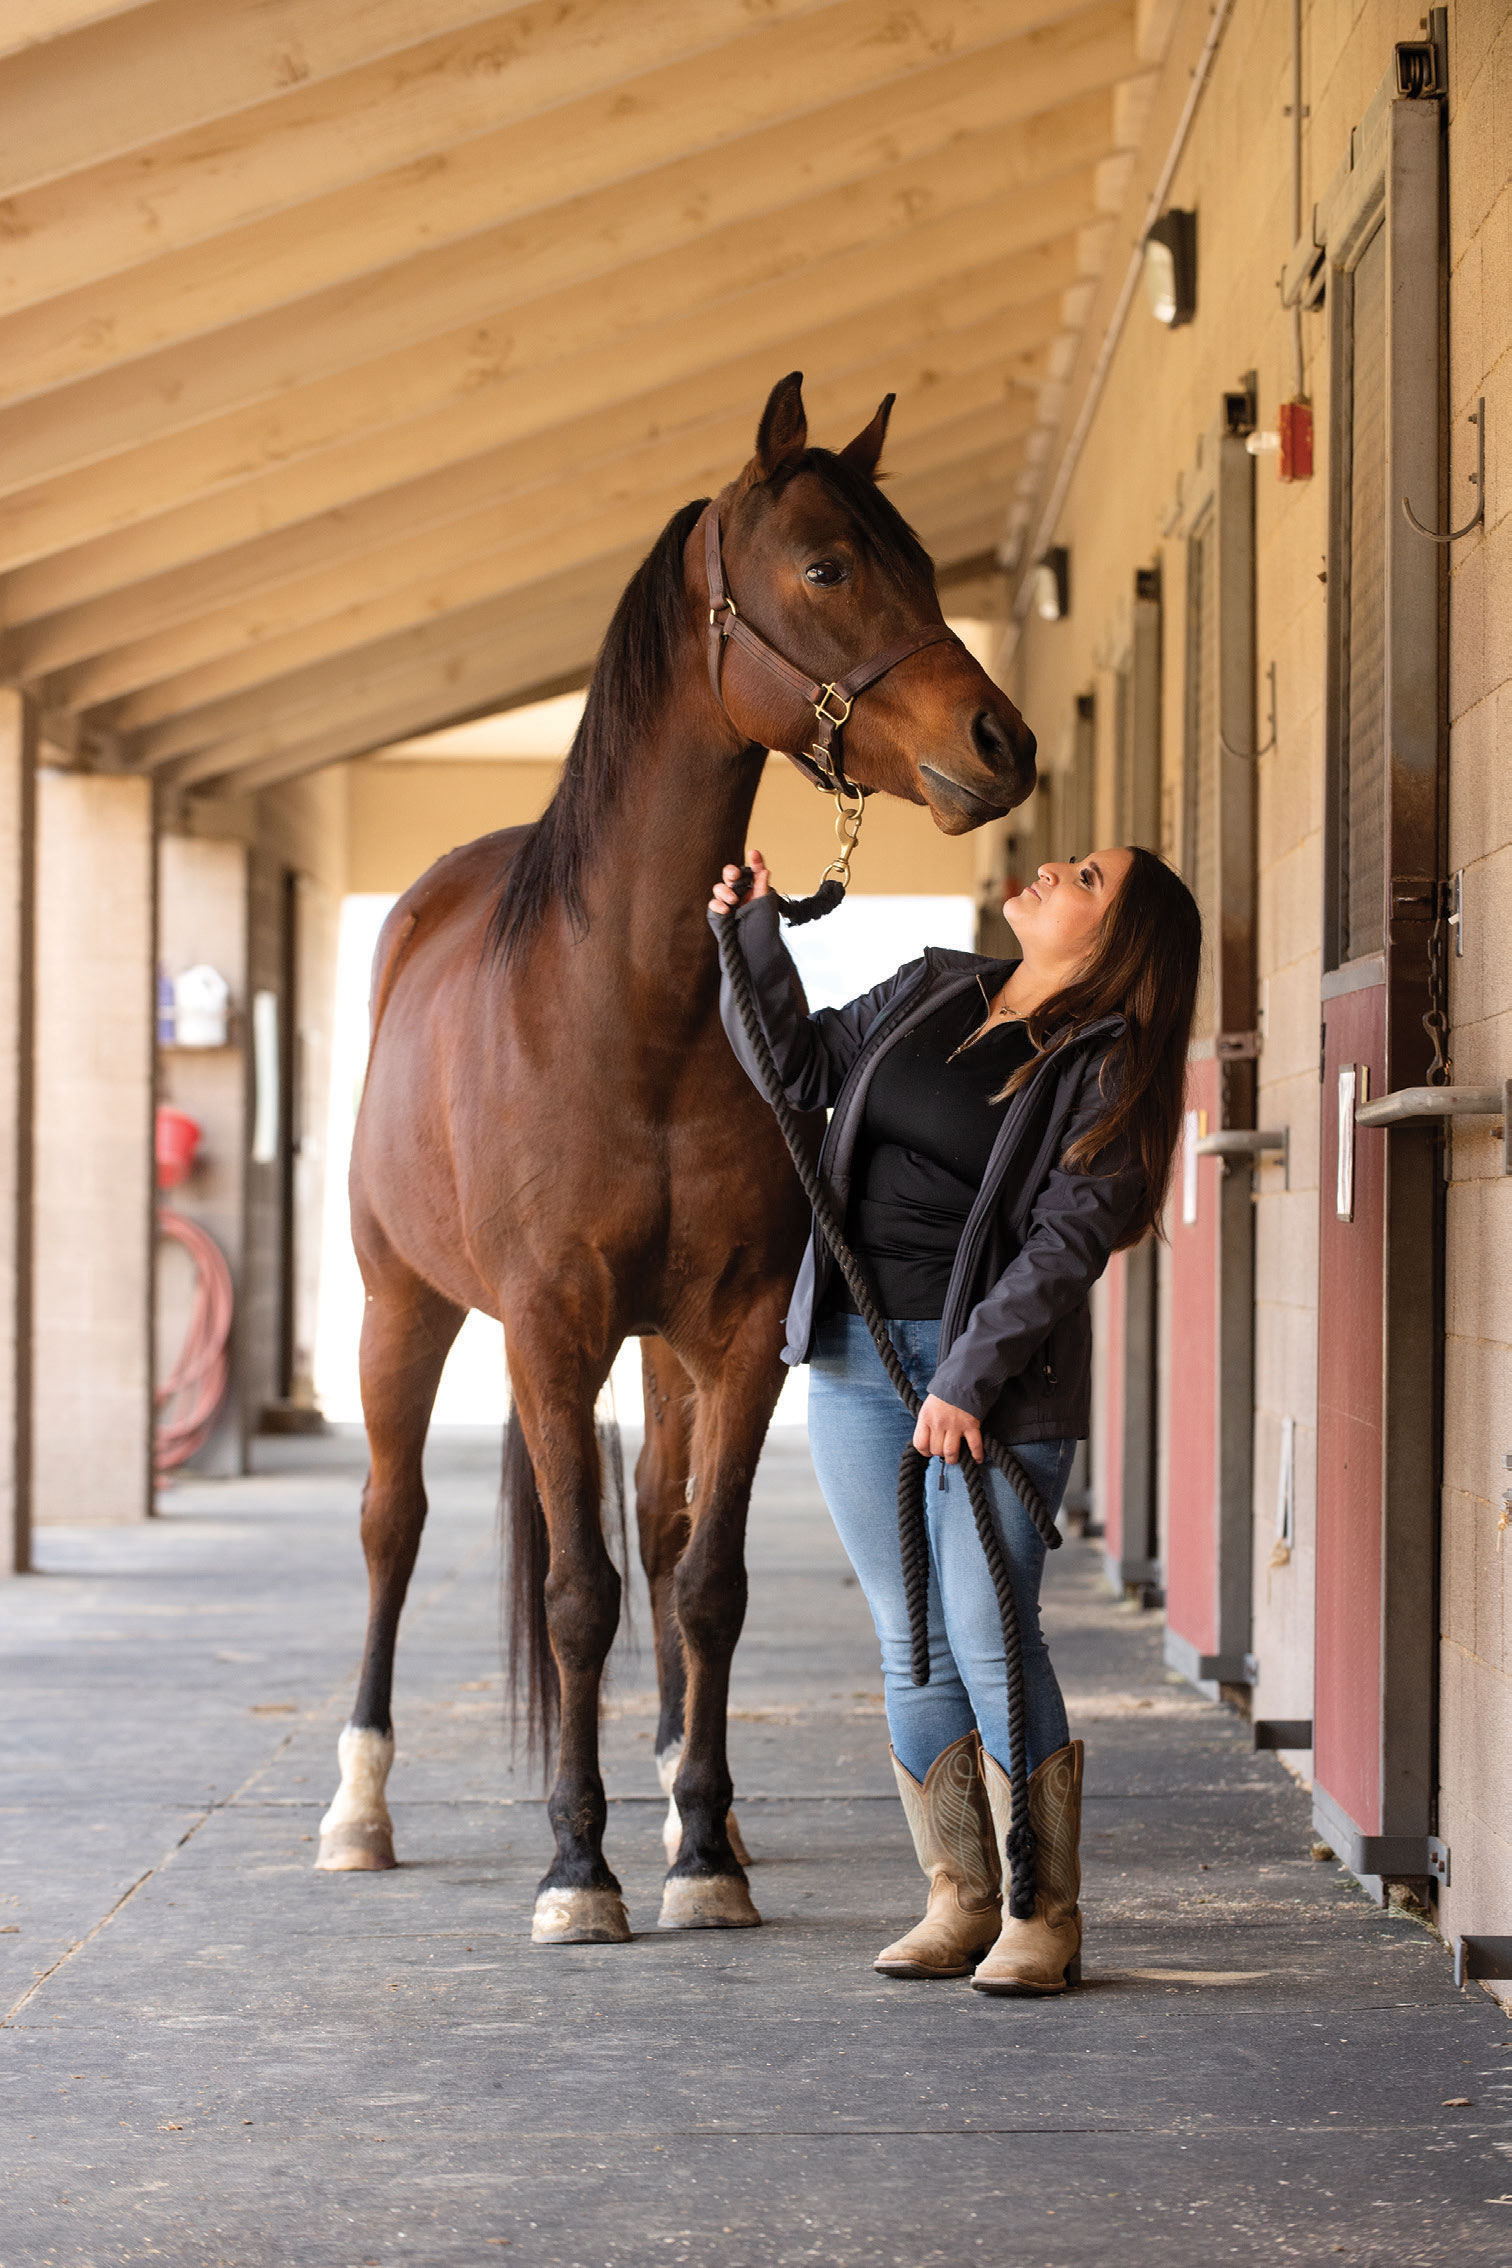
1015, 1337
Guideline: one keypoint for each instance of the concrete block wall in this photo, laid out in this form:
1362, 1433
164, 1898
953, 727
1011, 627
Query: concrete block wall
1475, 1734
94, 1194
1123, 511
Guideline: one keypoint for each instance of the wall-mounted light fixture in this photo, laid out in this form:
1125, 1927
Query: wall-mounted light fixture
1170, 267
1052, 584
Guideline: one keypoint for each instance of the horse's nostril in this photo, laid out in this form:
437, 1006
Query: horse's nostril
989, 736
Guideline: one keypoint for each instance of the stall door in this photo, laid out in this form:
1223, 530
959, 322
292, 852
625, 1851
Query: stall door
1126, 1349
1208, 1398
1378, 1292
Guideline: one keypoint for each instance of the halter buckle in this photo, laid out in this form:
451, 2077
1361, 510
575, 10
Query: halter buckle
825, 714
728, 605
848, 816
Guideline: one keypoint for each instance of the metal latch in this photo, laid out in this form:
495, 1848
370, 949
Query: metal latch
1235, 1047
1410, 1105
1239, 1142
1438, 1860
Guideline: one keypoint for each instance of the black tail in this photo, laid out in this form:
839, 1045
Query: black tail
534, 1690
534, 1693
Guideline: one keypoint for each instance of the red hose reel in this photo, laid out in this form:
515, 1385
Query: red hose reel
189, 1398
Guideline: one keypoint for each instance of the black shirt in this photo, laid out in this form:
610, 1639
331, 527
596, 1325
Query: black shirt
924, 1144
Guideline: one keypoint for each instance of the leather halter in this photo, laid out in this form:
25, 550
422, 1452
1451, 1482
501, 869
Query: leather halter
830, 703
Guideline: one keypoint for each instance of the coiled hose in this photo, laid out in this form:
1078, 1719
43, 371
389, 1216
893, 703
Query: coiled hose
189, 1398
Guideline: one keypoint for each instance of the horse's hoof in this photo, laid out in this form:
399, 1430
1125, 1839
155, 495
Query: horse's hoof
580, 1917
354, 1849
707, 1901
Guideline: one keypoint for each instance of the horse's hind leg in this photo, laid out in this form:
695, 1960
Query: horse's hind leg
706, 1887
555, 1384
407, 1331
662, 1474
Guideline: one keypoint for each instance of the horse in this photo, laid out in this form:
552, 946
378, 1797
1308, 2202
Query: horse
555, 1130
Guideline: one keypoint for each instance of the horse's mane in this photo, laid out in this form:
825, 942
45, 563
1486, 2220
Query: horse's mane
631, 679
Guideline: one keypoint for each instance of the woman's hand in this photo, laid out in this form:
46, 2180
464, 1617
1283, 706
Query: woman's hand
727, 891
942, 1428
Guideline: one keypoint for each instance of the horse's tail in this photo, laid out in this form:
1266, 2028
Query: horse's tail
534, 1688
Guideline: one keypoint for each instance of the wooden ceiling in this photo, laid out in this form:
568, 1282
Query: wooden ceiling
353, 351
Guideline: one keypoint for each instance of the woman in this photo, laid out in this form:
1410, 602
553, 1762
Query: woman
997, 1129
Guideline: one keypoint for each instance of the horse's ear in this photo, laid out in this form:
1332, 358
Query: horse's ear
865, 450
783, 432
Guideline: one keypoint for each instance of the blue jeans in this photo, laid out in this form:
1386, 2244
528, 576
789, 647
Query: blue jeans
858, 1430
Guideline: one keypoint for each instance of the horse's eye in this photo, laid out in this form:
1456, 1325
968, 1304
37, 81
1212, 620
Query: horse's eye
825, 572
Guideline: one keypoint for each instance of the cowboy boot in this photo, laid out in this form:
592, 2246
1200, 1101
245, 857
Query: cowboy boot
952, 1834
1042, 1954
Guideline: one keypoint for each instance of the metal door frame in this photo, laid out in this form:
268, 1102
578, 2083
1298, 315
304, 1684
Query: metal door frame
1131, 1555
1225, 489
1393, 180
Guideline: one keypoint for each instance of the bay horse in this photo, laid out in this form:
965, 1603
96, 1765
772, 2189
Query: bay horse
554, 1128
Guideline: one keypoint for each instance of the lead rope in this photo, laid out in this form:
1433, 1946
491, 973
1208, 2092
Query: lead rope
913, 1535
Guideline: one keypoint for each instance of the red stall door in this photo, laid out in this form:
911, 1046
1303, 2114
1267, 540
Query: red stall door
1379, 1300
1207, 1409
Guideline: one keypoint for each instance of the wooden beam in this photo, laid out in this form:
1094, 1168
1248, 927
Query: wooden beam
369, 736
132, 586
1054, 86
336, 684
579, 599
626, 333
29, 23
512, 685
416, 114
428, 677
136, 78
579, 278
173, 713
937, 498
554, 522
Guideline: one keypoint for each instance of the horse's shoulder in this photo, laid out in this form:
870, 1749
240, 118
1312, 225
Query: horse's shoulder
450, 883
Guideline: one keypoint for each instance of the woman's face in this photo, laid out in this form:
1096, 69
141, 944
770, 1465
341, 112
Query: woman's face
1056, 917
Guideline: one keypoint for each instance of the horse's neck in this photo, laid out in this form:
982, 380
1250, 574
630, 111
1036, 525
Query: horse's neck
683, 814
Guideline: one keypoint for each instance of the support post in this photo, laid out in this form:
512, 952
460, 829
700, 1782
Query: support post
94, 1177
18, 838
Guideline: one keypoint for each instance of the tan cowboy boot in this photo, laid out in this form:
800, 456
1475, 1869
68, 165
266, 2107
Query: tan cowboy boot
952, 1833
1042, 1954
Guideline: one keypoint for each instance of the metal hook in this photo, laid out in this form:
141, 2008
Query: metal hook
1477, 482
1254, 754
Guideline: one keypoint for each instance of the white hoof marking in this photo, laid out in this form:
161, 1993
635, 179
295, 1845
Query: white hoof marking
707, 1901
357, 1834
667, 1767
580, 1917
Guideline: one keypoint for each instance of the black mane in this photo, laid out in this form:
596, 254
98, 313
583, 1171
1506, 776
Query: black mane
630, 682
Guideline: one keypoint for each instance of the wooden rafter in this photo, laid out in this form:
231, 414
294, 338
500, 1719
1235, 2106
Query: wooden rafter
498, 545
351, 355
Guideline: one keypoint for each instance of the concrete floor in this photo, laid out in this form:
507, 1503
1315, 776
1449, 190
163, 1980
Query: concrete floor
214, 2055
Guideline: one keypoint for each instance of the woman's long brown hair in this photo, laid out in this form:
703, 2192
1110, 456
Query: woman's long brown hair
1143, 967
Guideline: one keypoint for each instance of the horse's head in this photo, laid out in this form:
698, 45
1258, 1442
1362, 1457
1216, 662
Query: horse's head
828, 573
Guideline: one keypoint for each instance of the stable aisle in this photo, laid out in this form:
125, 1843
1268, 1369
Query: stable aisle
216, 2056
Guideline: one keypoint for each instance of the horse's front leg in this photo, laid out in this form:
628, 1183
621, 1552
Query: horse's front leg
663, 1473
706, 1886
663, 1522
407, 1330
579, 1899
